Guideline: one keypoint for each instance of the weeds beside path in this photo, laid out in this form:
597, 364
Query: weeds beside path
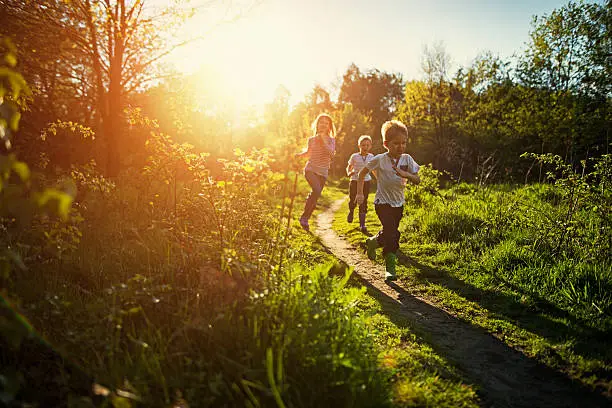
505, 376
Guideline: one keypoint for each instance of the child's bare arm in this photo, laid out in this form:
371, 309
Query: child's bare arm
303, 152
412, 177
359, 196
349, 169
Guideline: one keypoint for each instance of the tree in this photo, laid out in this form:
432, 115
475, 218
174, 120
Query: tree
485, 129
374, 93
568, 57
114, 46
276, 116
569, 50
49, 63
350, 124
432, 107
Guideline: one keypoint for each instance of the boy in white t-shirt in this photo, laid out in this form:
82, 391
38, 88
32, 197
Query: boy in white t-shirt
356, 162
392, 169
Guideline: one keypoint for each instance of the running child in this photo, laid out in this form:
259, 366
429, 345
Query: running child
393, 169
356, 162
320, 150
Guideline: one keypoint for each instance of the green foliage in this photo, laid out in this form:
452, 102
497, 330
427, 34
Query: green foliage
13, 91
65, 144
553, 99
566, 48
545, 239
23, 207
166, 281
89, 179
451, 226
526, 228
580, 226
310, 323
421, 194
21, 201
171, 280
374, 93
584, 289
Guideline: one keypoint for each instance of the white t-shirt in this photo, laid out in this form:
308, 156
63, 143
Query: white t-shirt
358, 162
390, 186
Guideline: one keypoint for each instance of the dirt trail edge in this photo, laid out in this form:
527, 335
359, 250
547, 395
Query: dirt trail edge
504, 377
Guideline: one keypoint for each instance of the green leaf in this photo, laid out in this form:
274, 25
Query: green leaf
59, 201
10, 59
120, 402
14, 121
22, 170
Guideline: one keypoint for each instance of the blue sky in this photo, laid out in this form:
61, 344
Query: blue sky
302, 43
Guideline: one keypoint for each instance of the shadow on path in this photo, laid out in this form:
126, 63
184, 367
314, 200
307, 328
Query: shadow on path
537, 317
505, 377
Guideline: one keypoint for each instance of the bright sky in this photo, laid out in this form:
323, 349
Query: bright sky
300, 43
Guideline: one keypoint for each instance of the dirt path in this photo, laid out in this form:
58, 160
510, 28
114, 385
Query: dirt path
505, 377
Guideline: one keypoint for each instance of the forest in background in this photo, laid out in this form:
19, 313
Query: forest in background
125, 187
96, 69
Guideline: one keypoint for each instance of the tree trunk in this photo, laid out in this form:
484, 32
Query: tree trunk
114, 118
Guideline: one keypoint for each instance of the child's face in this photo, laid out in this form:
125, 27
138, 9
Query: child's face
396, 146
323, 126
365, 146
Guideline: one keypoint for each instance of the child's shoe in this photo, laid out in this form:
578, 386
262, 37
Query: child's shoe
390, 266
371, 245
304, 223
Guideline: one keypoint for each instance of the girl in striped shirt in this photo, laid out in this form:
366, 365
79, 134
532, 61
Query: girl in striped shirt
320, 150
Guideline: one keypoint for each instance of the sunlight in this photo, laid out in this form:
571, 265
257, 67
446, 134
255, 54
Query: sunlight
204, 249
257, 53
240, 62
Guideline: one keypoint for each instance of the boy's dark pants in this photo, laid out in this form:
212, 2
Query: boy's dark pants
388, 237
363, 207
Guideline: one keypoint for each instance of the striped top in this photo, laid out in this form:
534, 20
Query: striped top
320, 155
358, 162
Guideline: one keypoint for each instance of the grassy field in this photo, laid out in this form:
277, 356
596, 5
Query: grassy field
204, 293
496, 258
184, 302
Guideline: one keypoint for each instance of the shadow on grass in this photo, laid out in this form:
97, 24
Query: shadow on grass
505, 377
537, 317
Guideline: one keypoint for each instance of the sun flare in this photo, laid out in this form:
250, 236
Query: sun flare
241, 62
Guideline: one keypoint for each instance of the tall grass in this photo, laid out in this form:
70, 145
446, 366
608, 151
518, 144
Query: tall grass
174, 288
550, 240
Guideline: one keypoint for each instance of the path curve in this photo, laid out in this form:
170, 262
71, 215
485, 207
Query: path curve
504, 376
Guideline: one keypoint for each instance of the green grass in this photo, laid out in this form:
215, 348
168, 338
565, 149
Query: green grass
162, 311
418, 376
478, 254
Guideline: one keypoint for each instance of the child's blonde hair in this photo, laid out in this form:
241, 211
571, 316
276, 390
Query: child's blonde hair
332, 131
392, 129
362, 138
